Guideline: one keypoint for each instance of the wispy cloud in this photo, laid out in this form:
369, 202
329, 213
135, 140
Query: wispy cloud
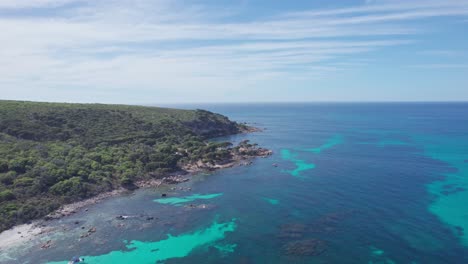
440, 66
167, 44
444, 53
18, 4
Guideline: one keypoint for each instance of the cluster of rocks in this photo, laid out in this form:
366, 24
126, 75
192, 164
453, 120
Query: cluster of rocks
172, 179
240, 155
125, 217
139, 222
248, 163
181, 188
200, 206
90, 231
250, 129
175, 179
247, 150
262, 152
47, 244
70, 209
148, 183
208, 166
59, 214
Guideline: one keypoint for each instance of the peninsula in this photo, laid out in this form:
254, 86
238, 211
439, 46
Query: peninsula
53, 154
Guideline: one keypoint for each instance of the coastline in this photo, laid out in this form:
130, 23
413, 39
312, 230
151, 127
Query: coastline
19, 234
240, 156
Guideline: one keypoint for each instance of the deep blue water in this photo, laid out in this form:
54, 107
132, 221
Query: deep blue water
367, 183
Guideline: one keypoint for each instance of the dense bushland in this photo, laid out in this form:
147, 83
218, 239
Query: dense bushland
52, 154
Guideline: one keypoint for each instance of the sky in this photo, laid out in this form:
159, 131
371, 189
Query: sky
158, 51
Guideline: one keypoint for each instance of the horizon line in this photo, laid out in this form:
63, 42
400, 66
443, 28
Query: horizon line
248, 102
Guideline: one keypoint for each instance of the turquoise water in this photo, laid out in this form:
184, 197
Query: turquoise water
333, 141
451, 191
351, 183
271, 201
300, 164
173, 247
181, 200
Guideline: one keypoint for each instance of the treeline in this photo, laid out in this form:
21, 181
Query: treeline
51, 154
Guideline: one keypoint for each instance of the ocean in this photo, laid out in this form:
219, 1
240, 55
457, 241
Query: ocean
347, 183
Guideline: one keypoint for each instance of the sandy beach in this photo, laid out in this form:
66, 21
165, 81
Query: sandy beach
19, 234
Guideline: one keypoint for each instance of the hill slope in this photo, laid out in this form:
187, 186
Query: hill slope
53, 153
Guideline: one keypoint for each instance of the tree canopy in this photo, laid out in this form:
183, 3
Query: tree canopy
53, 153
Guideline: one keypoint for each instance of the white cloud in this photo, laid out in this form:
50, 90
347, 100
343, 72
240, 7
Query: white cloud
18, 4
161, 45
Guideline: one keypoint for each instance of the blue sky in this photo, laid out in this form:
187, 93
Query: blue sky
156, 51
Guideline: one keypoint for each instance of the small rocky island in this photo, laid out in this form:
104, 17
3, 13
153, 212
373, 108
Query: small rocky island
55, 155
239, 155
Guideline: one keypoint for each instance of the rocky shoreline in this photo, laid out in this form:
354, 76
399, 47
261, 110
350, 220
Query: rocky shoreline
241, 155
250, 129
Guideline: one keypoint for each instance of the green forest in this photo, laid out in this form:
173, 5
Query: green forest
55, 153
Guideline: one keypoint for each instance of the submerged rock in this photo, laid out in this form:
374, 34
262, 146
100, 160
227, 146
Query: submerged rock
200, 206
293, 230
309, 247
330, 222
47, 245
89, 232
